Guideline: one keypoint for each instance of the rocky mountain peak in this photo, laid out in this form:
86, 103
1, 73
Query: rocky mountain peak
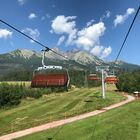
84, 57
25, 53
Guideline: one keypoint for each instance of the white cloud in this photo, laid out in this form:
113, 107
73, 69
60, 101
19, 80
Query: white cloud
106, 15
130, 11
61, 40
84, 42
101, 51
21, 2
90, 22
62, 24
106, 52
96, 50
89, 36
48, 16
65, 25
86, 38
34, 33
71, 37
120, 19
32, 16
4, 33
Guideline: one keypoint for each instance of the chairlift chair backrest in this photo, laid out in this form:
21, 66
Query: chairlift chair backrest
111, 79
93, 77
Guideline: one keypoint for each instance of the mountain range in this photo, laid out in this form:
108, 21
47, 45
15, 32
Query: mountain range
29, 60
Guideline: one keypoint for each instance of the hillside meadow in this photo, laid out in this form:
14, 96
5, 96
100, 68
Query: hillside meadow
122, 123
32, 112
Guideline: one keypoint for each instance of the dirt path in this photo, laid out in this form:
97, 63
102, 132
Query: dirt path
64, 121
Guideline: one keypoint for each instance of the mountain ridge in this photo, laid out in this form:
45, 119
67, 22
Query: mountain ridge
30, 59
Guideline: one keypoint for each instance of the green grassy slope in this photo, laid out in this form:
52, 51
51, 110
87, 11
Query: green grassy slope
122, 123
53, 107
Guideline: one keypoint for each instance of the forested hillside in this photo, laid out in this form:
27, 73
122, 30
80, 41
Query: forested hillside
129, 81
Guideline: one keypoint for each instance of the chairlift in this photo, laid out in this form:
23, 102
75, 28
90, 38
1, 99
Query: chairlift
93, 77
111, 79
50, 76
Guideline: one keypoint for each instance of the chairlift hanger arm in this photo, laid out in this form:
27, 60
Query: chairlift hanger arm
45, 50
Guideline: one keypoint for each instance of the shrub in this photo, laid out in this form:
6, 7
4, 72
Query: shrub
12, 94
9, 95
33, 93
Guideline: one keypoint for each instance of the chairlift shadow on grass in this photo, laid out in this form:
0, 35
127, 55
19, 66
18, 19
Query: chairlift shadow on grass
49, 138
116, 90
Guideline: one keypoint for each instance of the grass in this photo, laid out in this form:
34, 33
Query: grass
122, 123
26, 83
53, 107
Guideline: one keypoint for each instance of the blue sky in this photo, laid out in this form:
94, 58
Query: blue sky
97, 26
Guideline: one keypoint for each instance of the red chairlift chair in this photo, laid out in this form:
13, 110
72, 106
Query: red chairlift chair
93, 77
111, 79
50, 76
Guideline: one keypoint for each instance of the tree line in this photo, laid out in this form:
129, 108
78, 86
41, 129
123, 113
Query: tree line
77, 77
129, 81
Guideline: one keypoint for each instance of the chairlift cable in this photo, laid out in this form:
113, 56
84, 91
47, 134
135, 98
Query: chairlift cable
47, 48
126, 36
41, 44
